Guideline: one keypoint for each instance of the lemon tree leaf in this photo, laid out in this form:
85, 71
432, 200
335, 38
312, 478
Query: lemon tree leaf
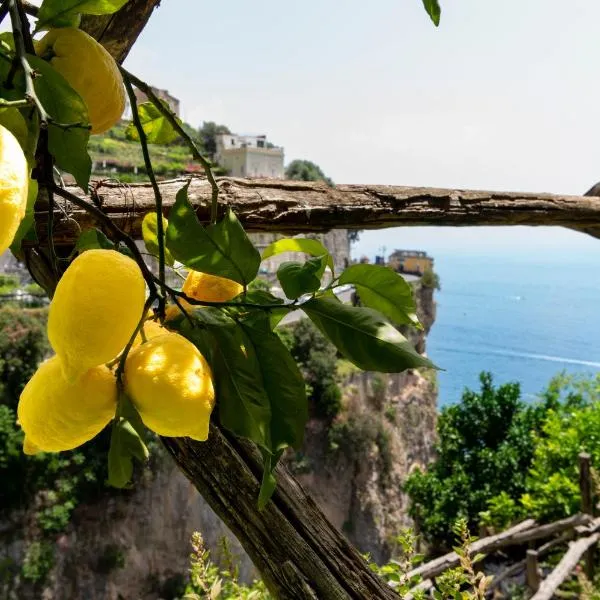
222, 249
269, 482
364, 336
66, 13
305, 245
150, 235
242, 401
433, 10
297, 278
93, 238
157, 128
384, 290
67, 145
125, 444
282, 382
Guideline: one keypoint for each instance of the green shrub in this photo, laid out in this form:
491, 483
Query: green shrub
431, 279
485, 447
38, 560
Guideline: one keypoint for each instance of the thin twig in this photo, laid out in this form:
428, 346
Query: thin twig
157, 195
170, 116
121, 368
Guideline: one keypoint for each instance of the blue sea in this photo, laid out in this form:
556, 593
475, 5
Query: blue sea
524, 318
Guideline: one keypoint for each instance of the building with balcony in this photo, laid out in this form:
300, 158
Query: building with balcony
249, 156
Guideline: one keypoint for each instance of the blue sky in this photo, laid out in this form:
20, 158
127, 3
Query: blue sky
503, 95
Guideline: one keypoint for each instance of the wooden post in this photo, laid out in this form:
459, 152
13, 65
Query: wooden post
587, 505
533, 571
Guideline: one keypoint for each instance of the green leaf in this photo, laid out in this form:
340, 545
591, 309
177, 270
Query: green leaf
305, 245
65, 106
150, 235
243, 404
91, 239
157, 128
297, 278
433, 10
282, 381
125, 444
223, 249
364, 336
384, 290
66, 13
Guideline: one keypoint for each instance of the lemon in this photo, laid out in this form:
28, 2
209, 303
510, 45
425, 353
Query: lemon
90, 70
170, 384
96, 307
58, 415
14, 180
210, 288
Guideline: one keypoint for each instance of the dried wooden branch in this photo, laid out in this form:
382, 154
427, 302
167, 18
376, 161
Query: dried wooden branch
296, 207
565, 566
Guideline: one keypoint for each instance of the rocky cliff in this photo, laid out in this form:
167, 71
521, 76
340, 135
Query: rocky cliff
135, 545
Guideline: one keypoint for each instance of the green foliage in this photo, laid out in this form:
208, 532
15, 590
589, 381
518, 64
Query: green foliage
431, 279
8, 283
433, 10
485, 447
93, 238
207, 580
156, 126
552, 485
305, 170
38, 560
67, 13
384, 290
307, 245
68, 145
364, 336
150, 235
222, 249
297, 278
317, 359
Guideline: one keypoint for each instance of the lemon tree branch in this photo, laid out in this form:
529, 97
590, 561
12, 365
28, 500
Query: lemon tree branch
157, 194
172, 119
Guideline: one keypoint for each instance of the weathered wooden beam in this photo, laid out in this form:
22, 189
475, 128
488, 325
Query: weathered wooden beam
565, 566
302, 207
299, 554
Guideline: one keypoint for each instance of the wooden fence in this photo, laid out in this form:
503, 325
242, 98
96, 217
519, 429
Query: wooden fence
579, 534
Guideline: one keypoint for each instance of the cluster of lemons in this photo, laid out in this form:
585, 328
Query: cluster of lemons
95, 310
99, 301
92, 72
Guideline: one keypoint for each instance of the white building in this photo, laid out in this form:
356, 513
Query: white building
249, 156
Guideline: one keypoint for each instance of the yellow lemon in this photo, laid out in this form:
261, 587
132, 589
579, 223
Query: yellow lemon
14, 180
210, 288
90, 70
170, 384
96, 307
58, 415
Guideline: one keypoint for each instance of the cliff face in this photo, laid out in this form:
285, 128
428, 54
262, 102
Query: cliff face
135, 545
355, 468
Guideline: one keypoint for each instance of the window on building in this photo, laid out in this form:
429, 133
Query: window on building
260, 143
232, 142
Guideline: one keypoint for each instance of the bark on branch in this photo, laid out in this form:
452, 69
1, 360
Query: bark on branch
301, 207
299, 554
